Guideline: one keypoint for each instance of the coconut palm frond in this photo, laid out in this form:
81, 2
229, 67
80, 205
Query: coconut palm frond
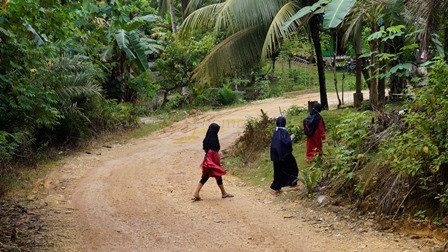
276, 32
238, 15
194, 5
84, 90
237, 53
425, 12
202, 18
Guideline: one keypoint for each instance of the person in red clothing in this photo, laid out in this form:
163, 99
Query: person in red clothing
211, 165
314, 128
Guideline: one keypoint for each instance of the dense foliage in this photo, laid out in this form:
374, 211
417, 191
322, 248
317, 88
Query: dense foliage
59, 68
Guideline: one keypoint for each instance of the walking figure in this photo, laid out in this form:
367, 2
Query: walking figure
285, 166
211, 165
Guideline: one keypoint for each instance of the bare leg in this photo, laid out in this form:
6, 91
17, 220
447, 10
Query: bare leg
224, 193
196, 193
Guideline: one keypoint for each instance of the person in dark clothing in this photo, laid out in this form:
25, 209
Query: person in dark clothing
211, 165
285, 166
314, 127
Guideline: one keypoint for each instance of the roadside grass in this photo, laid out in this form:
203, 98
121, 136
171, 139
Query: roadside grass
305, 77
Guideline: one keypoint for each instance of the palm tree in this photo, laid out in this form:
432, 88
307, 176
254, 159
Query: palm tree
366, 12
426, 14
253, 30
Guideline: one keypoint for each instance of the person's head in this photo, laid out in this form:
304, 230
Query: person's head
211, 140
281, 121
213, 128
317, 108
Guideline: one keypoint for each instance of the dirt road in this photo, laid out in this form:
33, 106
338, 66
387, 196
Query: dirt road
136, 195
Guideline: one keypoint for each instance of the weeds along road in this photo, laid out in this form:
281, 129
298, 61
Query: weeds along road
136, 195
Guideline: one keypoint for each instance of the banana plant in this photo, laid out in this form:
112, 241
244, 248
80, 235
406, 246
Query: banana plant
130, 48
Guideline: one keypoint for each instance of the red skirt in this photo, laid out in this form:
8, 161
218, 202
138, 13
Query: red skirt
212, 165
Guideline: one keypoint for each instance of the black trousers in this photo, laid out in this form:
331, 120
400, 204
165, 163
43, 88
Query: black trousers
286, 173
205, 177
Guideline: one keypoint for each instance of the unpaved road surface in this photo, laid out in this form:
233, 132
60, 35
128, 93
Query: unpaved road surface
135, 196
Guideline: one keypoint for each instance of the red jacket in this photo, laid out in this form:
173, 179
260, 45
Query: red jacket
314, 143
212, 164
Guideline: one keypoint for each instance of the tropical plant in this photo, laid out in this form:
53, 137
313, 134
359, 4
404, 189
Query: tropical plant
248, 38
130, 48
428, 17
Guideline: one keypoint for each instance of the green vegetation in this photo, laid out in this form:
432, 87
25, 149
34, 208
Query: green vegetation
391, 163
71, 71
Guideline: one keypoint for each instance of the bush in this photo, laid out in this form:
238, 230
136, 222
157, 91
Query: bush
56, 101
420, 148
226, 95
175, 101
180, 58
255, 139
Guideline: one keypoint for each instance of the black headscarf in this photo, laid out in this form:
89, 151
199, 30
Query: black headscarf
281, 144
211, 141
314, 118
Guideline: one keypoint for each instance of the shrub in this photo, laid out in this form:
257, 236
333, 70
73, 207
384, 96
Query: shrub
226, 95
256, 137
175, 101
420, 149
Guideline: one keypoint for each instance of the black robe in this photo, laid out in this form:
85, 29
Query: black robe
285, 166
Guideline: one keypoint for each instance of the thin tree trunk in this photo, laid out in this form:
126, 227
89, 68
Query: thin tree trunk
334, 72
365, 72
381, 80
173, 16
358, 96
381, 91
314, 30
373, 71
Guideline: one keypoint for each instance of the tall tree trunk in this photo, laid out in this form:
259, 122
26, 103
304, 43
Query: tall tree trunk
173, 15
365, 72
381, 80
314, 24
184, 4
381, 90
374, 80
334, 71
358, 96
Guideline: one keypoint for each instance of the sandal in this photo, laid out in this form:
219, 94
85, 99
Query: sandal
227, 195
194, 199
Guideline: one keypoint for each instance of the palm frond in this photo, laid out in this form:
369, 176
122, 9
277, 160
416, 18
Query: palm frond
203, 18
305, 12
237, 15
425, 12
82, 90
237, 53
276, 32
194, 5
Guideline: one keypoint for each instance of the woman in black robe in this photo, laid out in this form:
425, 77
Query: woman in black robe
285, 166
